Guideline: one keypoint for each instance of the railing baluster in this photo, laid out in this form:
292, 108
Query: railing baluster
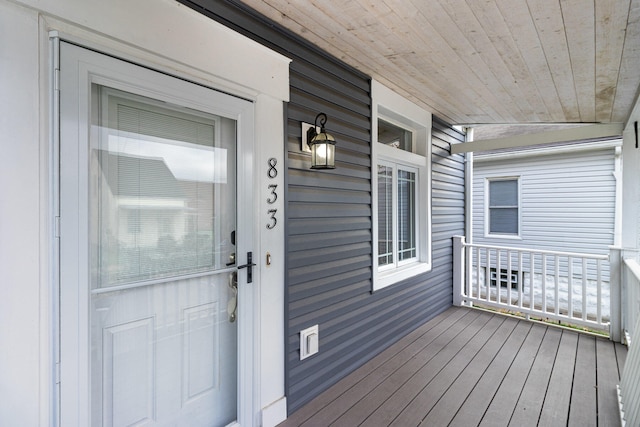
599, 289
570, 287
478, 270
544, 283
584, 288
498, 274
520, 279
508, 277
532, 275
556, 291
468, 288
487, 280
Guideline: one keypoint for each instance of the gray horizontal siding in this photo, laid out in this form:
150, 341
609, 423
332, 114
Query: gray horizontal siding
329, 282
567, 200
328, 218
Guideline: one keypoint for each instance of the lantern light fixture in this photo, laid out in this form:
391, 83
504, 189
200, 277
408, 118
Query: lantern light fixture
322, 145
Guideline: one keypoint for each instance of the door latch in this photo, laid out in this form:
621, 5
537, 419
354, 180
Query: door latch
249, 266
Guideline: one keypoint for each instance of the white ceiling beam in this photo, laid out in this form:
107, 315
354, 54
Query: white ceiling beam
564, 135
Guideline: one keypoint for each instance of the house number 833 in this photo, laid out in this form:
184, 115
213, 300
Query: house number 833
272, 173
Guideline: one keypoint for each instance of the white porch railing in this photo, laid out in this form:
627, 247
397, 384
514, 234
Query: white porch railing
629, 389
563, 286
598, 291
631, 297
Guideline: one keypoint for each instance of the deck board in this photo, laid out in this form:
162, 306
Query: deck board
583, 410
555, 410
376, 371
417, 369
414, 411
451, 402
475, 406
535, 388
505, 400
621, 356
468, 368
347, 392
606, 372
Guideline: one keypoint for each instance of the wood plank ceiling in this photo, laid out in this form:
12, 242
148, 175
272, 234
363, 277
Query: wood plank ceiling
484, 61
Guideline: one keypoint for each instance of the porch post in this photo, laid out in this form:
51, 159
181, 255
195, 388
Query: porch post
615, 294
458, 270
629, 294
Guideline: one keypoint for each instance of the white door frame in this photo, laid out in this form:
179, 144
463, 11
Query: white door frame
218, 58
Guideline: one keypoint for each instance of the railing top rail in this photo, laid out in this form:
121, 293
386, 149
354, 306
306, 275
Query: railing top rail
633, 266
540, 251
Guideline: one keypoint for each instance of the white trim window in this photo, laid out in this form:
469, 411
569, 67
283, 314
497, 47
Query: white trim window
401, 179
502, 207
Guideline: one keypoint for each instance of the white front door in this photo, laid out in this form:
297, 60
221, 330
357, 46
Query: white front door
155, 212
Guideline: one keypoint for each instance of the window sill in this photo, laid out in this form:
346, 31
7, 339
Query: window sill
503, 236
387, 278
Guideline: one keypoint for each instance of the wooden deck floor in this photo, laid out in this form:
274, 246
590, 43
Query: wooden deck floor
469, 367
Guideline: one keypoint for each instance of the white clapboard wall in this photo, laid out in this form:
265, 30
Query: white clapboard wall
629, 389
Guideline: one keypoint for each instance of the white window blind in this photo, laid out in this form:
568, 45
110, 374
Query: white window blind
163, 177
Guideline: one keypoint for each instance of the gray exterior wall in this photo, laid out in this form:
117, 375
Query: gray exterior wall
328, 218
329, 266
567, 201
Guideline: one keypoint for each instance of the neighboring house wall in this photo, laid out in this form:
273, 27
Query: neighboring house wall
567, 199
329, 229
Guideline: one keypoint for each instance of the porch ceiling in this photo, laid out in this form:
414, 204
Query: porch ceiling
484, 61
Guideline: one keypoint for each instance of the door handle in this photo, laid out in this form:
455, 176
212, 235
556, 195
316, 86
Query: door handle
249, 266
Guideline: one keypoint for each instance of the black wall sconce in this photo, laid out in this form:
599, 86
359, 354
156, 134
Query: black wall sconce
322, 145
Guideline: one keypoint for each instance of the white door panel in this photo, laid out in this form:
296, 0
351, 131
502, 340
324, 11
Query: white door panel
152, 200
164, 352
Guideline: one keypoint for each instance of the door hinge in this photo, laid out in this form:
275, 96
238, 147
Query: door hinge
57, 373
56, 79
56, 227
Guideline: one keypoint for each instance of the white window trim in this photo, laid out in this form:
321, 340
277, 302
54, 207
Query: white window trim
397, 110
487, 233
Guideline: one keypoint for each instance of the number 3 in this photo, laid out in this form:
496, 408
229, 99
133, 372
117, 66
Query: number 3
273, 193
273, 218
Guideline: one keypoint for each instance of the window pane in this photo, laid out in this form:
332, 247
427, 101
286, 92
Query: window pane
385, 212
503, 193
503, 206
406, 215
503, 220
394, 136
164, 189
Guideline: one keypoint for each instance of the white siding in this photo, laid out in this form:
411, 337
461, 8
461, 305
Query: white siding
567, 200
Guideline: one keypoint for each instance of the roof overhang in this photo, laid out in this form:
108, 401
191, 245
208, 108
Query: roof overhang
588, 132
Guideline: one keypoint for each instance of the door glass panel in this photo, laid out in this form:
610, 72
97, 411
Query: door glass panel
162, 213
160, 176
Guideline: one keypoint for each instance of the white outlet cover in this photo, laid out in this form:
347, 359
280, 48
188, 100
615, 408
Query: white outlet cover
309, 342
